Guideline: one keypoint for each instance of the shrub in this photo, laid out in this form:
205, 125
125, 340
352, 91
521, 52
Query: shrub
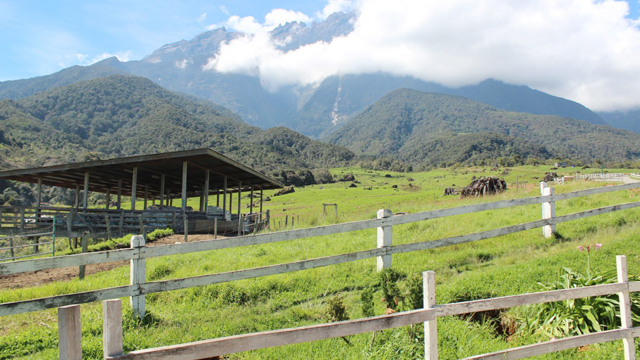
577, 316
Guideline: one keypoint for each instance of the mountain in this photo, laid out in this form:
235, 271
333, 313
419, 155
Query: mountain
628, 120
123, 115
314, 110
421, 127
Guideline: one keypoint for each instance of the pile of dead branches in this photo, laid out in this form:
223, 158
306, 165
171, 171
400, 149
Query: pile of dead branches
484, 186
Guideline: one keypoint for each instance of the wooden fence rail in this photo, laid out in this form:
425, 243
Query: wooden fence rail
112, 334
139, 287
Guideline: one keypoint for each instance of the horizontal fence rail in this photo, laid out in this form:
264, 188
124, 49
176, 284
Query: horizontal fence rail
139, 253
207, 245
428, 315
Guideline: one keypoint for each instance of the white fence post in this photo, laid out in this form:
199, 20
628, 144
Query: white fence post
625, 308
112, 327
430, 327
69, 333
548, 210
385, 235
138, 276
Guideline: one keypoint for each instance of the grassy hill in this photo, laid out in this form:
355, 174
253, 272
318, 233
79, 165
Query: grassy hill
408, 123
505, 265
122, 115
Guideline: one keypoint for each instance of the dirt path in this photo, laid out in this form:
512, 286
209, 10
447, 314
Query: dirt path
37, 278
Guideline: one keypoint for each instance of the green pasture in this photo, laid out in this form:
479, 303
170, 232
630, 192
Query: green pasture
506, 265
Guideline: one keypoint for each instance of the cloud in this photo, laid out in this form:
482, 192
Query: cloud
224, 10
335, 6
202, 17
182, 64
586, 51
122, 56
249, 25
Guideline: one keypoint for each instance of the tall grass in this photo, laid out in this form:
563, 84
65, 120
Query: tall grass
500, 266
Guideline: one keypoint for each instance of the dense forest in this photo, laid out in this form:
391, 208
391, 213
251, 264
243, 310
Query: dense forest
437, 129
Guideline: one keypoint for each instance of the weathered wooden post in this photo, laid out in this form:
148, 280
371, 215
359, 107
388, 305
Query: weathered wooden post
69, 333
625, 308
186, 230
138, 276
548, 209
385, 234
430, 327
112, 327
85, 248
215, 228
106, 220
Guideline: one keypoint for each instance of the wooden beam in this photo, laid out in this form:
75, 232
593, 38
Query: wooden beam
184, 186
206, 190
119, 206
85, 196
162, 190
134, 187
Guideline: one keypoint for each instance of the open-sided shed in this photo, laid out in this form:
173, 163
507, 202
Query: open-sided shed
159, 178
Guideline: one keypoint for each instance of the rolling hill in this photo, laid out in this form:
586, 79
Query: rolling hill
124, 115
419, 127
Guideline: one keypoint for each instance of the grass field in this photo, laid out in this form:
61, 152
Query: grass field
500, 266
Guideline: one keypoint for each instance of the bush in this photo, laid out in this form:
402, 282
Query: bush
578, 316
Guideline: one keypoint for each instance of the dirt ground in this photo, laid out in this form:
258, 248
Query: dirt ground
42, 277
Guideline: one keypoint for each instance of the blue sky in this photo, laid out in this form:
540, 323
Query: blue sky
41, 37
583, 50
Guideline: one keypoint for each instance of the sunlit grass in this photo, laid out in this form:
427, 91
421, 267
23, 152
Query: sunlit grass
505, 265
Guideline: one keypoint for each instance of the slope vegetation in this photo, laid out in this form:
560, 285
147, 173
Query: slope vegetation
412, 125
122, 115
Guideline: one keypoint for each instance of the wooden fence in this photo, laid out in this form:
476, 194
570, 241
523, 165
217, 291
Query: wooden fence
70, 329
138, 252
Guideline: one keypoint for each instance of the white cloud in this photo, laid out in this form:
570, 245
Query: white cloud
281, 16
182, 64
273, 19
202, 17
122, 56
586, 51
224, 10
334, 6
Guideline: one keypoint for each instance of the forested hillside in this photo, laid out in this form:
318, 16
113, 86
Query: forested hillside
122, 115
433, 128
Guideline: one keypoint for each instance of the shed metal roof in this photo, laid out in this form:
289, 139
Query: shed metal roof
104, 175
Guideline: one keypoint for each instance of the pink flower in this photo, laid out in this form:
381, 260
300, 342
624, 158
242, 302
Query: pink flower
581, 248
598, 246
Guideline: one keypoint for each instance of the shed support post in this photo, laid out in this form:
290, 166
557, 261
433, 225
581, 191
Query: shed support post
134, 188
240, 227
146, 196
38, 200
548, 210
85, 196
76, 201
162, 184
224, 196
430, 327
119, 201
625, 308
69, 333
112, 327
385, 234
184, 187
206, 190
138, 276
260, 204
108, 198
251, 201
